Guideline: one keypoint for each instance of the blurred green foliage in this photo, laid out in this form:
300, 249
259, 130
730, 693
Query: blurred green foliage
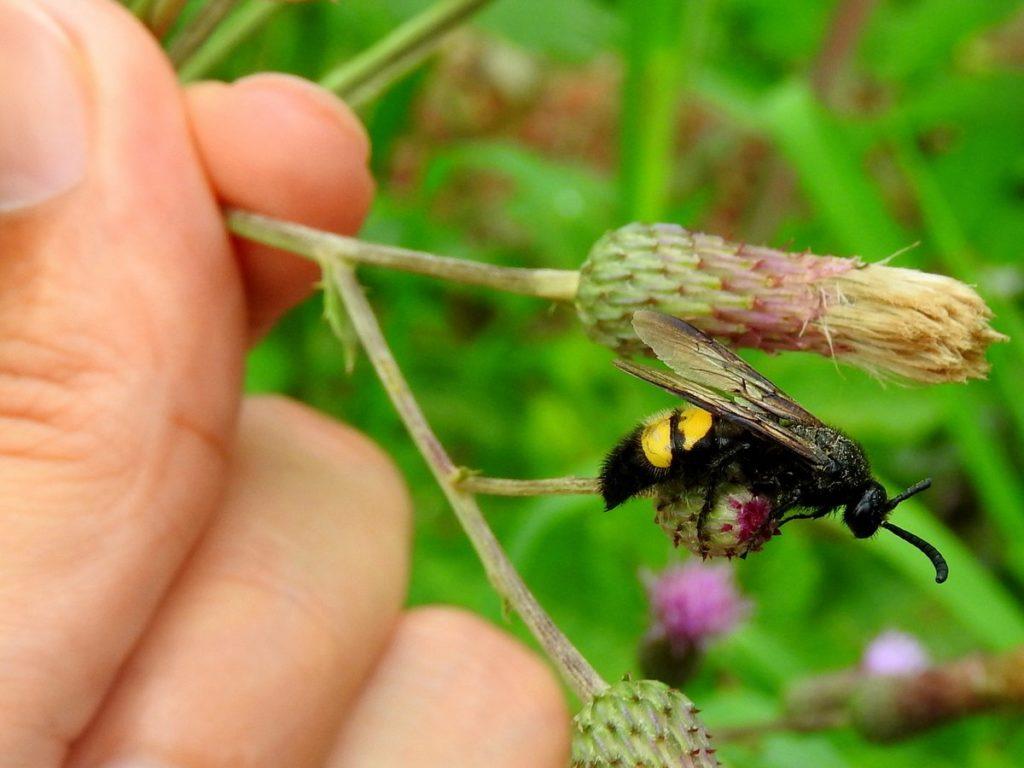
722, 116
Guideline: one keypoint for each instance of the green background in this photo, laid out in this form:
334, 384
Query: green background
587, 115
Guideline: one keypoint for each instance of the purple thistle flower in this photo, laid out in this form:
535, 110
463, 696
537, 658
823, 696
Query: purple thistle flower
751, 514
695, 602
894, 653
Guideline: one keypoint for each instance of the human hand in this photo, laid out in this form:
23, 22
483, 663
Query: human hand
187, 580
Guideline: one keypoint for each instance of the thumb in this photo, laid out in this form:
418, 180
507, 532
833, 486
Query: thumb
122, 331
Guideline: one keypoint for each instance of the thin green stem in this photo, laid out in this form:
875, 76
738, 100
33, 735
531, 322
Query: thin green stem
412, 41
552, 486
163, 14
575, 669
141, 8
753, 732
649, 107
234, 30
556, 284
849, 20
665, 43
198, 29
376, 84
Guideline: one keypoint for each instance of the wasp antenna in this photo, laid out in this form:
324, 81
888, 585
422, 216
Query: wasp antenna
941, 569
915, 488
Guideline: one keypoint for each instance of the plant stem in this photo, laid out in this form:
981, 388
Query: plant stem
848, 23
228, 35
844, 33
503, 486
649, 106
198, 29
141, 8
373, 86
163, 14
412, 41
751, 732
575, 669
887, 708
555, 284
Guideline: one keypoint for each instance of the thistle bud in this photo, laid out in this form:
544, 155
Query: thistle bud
738, 522
895, 691
641, 724
894, 653
893, 322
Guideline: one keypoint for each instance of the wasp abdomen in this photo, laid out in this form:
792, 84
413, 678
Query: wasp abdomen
653, 452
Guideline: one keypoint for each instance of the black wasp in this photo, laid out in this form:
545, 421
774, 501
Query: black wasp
740, 428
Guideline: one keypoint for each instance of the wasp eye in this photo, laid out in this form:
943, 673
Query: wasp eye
864, 517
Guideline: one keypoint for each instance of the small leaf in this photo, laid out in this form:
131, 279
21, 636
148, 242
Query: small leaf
337, 317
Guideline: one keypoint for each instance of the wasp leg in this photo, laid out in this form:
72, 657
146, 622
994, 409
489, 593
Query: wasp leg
807, 515
728, 456
705, 511
716, 469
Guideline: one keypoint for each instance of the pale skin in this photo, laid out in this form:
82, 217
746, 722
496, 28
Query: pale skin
190, 579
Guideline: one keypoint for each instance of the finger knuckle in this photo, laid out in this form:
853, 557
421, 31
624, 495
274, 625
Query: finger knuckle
62, 399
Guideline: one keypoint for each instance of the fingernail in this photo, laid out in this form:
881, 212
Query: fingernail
42, 108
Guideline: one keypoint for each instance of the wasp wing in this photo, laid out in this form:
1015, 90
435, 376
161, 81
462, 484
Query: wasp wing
699, 358
717, 404
713, 377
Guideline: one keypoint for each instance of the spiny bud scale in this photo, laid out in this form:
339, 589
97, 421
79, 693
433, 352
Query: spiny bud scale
737, 523
640, 724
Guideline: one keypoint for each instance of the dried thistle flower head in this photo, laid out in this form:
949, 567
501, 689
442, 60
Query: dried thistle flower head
894, 653
738, 522
640, 723
893, 322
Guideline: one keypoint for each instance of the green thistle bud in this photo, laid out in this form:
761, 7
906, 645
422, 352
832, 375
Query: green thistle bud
897, 322
737, 523
640, 724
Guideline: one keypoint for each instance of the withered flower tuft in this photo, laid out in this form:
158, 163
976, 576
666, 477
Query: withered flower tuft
897, 323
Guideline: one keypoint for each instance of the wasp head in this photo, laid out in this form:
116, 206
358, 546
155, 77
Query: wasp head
868, 513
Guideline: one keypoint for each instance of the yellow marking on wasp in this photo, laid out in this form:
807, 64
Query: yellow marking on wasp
656, 441
694, 423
